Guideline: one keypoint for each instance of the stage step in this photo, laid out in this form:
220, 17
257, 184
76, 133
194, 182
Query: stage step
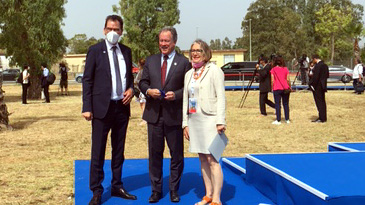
346, 146
331, 178
136, 181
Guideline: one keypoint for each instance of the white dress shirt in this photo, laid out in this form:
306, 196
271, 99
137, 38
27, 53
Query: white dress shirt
122, 70
169, 61
357, 71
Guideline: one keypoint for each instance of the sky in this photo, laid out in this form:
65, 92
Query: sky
205, 19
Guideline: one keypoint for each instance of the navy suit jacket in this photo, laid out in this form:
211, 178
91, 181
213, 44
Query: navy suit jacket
151, 78
97, 82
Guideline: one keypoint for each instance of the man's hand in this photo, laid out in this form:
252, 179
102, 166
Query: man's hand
257, 67
186, 133
170, 96
87, 115
154, 93
128, 94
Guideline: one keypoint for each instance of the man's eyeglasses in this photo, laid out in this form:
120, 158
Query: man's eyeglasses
196, 51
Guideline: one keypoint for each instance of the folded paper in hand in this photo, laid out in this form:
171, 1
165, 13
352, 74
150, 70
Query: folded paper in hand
217, 146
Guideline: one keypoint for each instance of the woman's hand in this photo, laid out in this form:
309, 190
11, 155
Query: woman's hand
186, 133
221, 128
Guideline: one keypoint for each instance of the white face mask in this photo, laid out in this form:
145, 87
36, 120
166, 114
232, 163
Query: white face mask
112, 37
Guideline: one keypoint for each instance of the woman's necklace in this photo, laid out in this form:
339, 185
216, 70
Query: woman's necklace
198, 73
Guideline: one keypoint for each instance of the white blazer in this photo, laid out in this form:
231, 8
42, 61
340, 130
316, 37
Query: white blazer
212, 99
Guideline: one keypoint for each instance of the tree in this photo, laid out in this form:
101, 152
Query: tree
142, 22
226, 43
80, 44
216, 44
331, 22
31, 34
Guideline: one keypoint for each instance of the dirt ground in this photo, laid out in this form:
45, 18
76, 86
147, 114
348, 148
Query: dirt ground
37, 157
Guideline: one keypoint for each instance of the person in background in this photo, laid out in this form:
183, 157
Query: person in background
64, 78
25, 83
44, 82
318, 85
357, 75
280, 82
204, 108
263, 68
163, 83
107, 90
141, 99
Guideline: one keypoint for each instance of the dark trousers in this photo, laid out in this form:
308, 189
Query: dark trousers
264, 100
320, 100
46, 92
354, 84
24, 93
303, 76
157, 132
115, 120
278, 95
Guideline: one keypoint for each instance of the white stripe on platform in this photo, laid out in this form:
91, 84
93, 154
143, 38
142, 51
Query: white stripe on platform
234, 165
289, 178
334, 144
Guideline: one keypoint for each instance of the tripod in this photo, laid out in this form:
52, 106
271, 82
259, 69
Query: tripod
244, 96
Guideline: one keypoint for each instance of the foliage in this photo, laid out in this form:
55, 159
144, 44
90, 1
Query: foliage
31, 34
79, 43
142, 22
331, 24
294, 27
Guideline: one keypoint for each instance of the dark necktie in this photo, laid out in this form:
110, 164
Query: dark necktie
163, 70
117, 72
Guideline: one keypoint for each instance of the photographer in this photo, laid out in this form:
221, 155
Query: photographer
304, 65
263, 68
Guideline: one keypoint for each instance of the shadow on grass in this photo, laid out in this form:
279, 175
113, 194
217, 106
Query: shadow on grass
26, 121
53, 95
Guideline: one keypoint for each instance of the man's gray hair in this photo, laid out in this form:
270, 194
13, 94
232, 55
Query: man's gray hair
172, 30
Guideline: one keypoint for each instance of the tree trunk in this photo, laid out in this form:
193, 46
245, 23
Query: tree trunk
356, 48
4, 114
332, 48
34, 90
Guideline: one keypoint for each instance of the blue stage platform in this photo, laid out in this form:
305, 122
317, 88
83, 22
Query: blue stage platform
346, 146
136, 181
332, 178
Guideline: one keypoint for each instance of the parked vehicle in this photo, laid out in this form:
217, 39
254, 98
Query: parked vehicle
340, 73
239, 71
337, 73
135, 69
10, 74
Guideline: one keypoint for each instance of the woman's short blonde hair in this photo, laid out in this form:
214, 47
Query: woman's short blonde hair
207, 52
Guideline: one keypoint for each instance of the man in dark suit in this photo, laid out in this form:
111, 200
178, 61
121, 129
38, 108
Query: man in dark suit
107, 91
263, 68
163, 82
318, 84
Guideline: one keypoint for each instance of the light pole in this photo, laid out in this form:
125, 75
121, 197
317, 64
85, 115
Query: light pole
250, 43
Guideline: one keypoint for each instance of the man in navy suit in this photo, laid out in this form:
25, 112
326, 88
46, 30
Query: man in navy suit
163, 82
318, 84
107, 91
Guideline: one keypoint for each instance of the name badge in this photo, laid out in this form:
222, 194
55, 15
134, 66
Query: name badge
192, 105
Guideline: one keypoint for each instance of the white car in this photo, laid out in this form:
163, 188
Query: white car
340, 72
78, 77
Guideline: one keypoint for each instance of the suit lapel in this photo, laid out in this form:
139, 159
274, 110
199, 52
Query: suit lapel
126, 59
105, 58
206, 69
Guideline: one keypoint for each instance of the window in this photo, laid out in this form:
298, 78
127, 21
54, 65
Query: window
228, 58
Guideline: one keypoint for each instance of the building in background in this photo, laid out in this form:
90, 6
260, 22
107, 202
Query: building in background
221, 57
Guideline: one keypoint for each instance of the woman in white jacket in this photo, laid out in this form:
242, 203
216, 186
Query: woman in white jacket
204, 107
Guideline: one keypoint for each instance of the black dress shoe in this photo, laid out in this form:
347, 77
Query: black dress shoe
96, 200
318, 121
155, 197
122, 193
174, 196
